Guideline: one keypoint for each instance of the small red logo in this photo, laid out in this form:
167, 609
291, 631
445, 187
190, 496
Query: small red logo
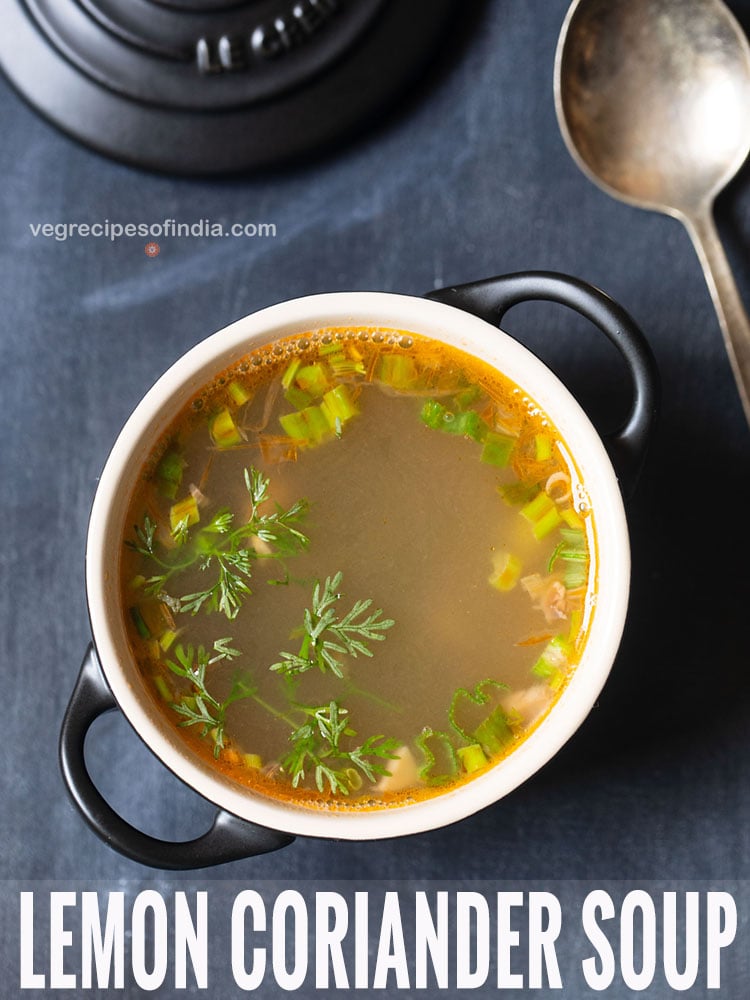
152, 249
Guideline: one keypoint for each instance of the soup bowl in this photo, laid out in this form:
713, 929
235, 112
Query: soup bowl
466, 317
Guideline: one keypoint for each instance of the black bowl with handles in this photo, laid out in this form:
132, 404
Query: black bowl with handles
468, 316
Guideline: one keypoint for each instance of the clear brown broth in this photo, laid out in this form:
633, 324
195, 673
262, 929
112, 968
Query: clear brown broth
413, 519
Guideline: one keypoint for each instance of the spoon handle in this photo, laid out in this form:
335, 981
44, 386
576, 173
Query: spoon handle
731, 312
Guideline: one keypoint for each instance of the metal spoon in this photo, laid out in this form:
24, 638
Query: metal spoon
653, 100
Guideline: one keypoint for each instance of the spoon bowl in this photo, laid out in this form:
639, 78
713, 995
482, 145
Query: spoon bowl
652, 97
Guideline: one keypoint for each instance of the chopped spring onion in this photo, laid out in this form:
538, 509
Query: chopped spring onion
252, 760
398, 371
466, 397
542, 515
494, 734
184, 512
572, 551
516, 494
537, 508
295, 425
432, 414
341, 366
543, 447
335, 347
142, 628
497, 449
163, 688
470, 424
552, 663
313, 379
308, 427
353, 779
467, 423
574, 538
546, 524
239, 394
169, 473
575, 576
342, 362
167, 638
480, 694
471, 758
338, 405
224, 431
298, 397
507, 570
318, 423
288, 377
571, 518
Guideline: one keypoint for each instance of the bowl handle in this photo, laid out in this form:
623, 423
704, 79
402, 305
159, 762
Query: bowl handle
229, 838
491, 298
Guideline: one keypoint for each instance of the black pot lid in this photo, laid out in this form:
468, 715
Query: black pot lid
211, 86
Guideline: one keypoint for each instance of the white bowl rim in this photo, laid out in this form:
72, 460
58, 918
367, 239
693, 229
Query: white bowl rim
389, 311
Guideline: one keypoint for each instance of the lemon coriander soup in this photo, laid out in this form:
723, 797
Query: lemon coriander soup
357, 569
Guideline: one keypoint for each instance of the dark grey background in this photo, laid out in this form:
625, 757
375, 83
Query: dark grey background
468, 178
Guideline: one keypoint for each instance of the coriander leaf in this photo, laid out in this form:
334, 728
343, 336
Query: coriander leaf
257, 486
180, 530
220, 523
317, 749
144, 535
223, 550
327, 637
201, 708
223, 651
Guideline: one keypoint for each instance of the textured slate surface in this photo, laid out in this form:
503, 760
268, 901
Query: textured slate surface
469, 178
